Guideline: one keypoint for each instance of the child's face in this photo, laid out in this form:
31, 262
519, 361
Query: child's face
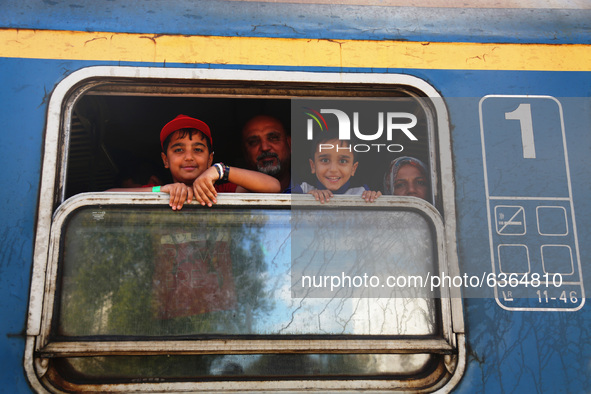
187, 157
410, 182
333, 168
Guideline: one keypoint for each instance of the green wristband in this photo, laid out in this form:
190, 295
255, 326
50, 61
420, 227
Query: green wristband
156, 189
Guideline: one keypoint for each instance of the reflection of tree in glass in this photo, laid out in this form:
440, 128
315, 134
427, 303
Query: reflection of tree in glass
107, 263
247, 254
363, 244
109, 271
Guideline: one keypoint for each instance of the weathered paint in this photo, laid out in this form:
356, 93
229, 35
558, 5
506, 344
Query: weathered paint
167, 49
468, 21
501, 344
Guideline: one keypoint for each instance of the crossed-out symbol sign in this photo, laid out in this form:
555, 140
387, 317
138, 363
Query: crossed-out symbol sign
510, 219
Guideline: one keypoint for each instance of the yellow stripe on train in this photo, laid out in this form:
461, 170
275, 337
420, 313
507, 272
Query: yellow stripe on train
105, 46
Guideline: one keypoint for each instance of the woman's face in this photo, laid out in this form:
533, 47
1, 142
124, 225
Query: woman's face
410, 182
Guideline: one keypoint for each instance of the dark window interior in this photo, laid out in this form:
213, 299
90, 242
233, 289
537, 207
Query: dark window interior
115, 130
111, 134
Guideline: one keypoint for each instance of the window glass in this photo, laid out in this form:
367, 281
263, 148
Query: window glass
161, 368
149, 271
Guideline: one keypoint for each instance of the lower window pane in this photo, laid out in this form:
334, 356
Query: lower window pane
214, 367
151, 272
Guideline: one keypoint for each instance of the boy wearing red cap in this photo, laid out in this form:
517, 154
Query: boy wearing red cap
186, 151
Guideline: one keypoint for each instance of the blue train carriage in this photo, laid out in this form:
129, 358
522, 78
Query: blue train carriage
481, 288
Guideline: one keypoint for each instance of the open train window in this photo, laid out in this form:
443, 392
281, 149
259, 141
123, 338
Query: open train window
128, 295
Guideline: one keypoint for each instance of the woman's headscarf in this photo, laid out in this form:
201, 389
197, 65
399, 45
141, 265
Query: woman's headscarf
397, 164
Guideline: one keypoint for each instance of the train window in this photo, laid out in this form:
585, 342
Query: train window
149, 272
128, 295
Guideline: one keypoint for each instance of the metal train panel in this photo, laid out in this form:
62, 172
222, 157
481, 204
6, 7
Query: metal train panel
536, 57
535, 21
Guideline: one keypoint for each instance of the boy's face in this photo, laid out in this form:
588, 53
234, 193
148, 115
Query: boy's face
333, 167
187, 157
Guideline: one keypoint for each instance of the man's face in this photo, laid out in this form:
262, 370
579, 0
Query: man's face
266, 146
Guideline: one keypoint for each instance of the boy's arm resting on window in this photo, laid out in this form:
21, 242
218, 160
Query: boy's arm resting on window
246, 181
253, 181
203, 189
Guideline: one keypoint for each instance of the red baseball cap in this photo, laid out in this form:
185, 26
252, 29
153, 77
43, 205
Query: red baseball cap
184, 122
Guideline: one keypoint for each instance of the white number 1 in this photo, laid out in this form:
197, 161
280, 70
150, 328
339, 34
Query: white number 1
523, 115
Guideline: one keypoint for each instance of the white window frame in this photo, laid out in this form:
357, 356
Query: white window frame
53, 175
